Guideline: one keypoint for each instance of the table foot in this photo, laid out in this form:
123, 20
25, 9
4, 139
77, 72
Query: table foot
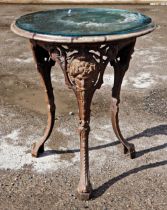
84, 191
84, 196
37, 150
130, 150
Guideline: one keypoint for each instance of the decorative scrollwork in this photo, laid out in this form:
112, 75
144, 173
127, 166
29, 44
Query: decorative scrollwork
84, 64
83, 68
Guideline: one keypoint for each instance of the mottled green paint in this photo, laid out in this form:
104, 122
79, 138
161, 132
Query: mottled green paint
84, 22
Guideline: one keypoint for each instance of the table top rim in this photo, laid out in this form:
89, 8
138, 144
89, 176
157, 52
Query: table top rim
80, 39
65, 38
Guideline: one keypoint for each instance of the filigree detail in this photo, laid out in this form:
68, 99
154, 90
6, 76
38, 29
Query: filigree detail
80, 62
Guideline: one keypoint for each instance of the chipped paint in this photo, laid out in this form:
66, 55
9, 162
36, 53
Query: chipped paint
153, 55
109, 80
15, 157
24, 60
21, 60
65, 131
14, 135
142, 80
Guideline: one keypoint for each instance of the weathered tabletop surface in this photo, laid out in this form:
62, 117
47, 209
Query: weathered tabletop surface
82, 25
83, 42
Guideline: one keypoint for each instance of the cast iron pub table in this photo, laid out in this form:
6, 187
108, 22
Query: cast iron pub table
83, 41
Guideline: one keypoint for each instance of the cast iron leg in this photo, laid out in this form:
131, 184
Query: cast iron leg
83, 71
120, 68
84, 101
44, 64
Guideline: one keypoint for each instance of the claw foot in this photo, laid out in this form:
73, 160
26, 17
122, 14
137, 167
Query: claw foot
84, 196
84, 193
37, 150
131, 151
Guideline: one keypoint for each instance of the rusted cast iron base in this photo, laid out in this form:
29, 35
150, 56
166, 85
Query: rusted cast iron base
83, 66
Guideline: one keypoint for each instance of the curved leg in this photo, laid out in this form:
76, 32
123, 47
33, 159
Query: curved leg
44, 65
120, 68
128, 147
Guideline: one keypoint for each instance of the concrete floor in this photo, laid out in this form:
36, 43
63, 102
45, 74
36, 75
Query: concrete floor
49, 182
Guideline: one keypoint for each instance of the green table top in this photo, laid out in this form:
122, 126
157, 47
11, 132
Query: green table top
84, 22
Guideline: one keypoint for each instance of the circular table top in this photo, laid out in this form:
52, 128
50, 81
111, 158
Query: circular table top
82, 25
